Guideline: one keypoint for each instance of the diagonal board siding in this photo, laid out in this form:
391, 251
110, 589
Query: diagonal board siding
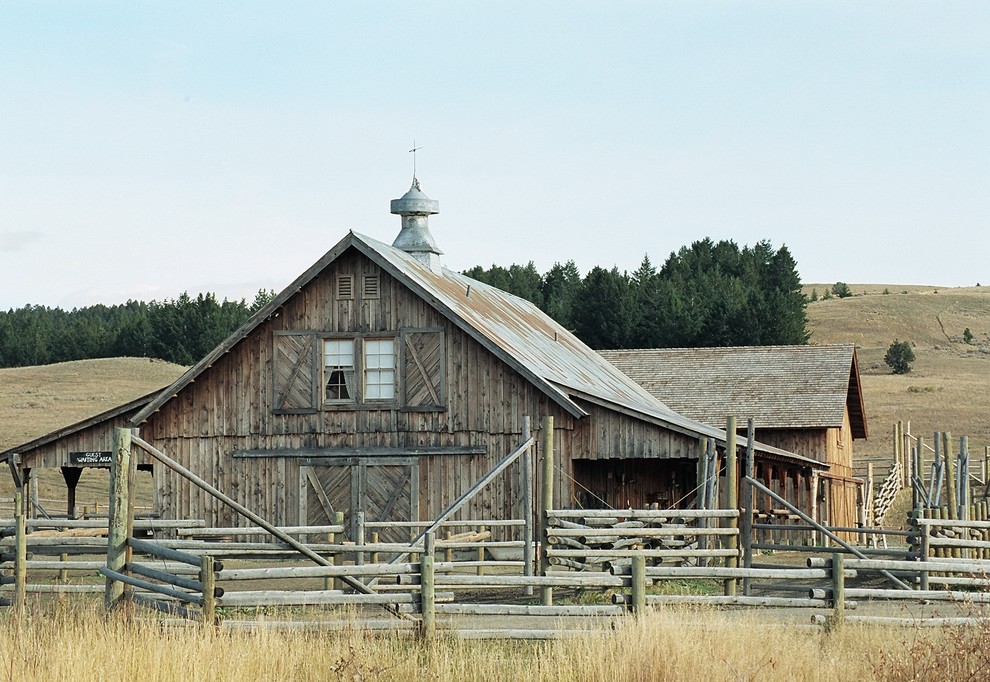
295, 373
383, 491
422, 369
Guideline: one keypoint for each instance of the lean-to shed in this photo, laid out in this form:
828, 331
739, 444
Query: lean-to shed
803, 399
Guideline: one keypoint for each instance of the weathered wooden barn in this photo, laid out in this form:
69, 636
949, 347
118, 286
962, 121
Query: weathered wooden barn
380, 381
803, 399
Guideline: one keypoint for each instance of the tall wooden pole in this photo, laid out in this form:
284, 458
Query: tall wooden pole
748, 501
546, 501
117, 532
731, 499
950, 474
964, 500
528, 539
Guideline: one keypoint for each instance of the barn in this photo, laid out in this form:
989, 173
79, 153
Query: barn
381, 381
803, 399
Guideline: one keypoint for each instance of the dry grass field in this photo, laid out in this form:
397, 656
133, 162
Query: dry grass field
56, 643
948, 388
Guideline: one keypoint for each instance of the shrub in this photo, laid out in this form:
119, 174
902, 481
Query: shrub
968, 335
841, 289
899, 357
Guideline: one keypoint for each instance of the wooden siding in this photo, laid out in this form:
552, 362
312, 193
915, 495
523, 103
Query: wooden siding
95, 438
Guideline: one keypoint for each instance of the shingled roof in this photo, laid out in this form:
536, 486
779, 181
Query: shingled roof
785, 387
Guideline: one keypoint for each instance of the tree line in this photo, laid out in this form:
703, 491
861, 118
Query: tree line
181, 330
706, 294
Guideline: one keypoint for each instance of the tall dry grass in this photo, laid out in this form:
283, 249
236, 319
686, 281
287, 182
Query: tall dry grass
78, 642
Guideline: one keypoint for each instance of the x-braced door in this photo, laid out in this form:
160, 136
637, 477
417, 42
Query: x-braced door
385, 489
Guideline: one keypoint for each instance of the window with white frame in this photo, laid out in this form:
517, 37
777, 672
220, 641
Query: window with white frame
338, 372
379, 369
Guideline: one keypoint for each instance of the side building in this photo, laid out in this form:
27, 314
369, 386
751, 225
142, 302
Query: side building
803, 399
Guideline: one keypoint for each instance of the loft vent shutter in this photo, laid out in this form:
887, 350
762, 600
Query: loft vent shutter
370, 288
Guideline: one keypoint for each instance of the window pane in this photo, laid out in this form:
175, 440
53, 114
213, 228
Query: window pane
379, 369
338, 363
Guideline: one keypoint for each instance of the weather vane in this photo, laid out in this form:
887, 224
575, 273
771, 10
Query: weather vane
413, 152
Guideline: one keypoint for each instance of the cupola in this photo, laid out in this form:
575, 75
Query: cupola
415, 238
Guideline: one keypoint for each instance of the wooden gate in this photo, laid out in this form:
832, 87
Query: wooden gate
385, 489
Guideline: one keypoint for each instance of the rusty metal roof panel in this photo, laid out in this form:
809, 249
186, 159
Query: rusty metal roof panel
527, 334
778, 386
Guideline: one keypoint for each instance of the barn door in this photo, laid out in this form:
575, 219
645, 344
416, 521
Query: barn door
387, 490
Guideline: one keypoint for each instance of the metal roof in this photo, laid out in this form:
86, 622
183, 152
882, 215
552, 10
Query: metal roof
778, 386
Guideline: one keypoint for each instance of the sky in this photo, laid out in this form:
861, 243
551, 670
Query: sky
147, 149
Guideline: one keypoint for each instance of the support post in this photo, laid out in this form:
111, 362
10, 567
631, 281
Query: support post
731, 500
71, 477
207, 577
528, 539
638, 585
546, 501
746, 528
20, 552
118, 524
923, 552
427, 594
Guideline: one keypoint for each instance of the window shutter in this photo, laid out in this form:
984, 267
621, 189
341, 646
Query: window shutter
423, 370
295, 373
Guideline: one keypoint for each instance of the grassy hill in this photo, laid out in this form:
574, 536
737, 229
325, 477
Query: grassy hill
948, 388
37, 400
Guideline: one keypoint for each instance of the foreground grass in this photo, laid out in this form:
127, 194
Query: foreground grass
62, 642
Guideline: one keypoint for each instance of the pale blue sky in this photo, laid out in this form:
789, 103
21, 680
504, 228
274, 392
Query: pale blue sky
152, 148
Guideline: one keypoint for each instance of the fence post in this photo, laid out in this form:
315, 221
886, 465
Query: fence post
117, 530
838, 588
20, 552
528, 539
546, 502
427, 594
746, 529
964, 477
731, 500
208, 578
638, 585
923, 550
338, 584
359, 536
950, 475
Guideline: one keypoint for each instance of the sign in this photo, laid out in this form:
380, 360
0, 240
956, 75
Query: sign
96, 458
